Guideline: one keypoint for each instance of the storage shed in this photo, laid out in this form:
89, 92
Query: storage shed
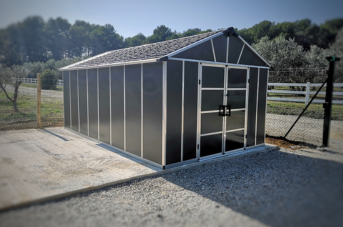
172, 102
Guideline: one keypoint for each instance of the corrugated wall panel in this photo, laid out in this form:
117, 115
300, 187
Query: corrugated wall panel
202, 51
220, 44
174, 110
117, 99
133, 108
152, 111
252, 107
235, 47
83, 102
66, 99
74, 101
104, 105
93, 103
262, 102
190, 115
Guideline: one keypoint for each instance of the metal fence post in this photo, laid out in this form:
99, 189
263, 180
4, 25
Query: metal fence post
307, 99
328, 100
39, 91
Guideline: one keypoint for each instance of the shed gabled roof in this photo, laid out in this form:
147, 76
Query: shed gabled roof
147, 52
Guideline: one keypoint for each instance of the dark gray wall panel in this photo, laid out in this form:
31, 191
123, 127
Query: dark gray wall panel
74, 101
220, 44
252, 107
152, 111
117, 99
66, 99
236, 120
104, 105
83, 102
93, 103
133, 108
211, 99
235, 47
250, 58
236, 99
190, 114
202, 51
261, 109
174, 108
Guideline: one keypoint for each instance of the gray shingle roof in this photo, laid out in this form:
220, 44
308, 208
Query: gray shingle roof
143, 52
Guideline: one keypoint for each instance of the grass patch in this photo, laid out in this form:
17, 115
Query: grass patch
314, 110
27, 106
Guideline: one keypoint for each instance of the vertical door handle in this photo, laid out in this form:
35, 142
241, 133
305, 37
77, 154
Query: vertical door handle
228, 106
222, 110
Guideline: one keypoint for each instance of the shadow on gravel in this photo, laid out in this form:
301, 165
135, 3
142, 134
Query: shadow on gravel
277, 189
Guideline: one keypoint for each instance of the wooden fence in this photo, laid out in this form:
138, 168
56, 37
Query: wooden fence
307, 93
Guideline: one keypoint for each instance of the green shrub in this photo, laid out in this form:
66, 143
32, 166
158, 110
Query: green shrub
49, 79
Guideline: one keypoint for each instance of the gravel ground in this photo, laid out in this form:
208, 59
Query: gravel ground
278, 188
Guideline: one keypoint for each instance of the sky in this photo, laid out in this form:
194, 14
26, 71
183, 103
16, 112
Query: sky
131, 17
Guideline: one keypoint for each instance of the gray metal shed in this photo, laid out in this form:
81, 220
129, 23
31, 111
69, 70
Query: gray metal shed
172, 102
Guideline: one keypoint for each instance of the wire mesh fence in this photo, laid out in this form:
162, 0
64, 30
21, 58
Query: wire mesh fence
18, 104
287, 100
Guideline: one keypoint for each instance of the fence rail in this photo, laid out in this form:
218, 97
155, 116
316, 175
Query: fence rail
307, 93
34, 81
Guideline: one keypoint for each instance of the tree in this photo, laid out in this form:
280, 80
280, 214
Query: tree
135, 40
337, 49
11, 79
105, 38
57, 32
49, 79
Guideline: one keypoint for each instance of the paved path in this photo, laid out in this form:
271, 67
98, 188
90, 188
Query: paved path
35, 164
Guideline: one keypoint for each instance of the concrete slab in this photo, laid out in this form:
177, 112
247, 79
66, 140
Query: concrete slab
39, 164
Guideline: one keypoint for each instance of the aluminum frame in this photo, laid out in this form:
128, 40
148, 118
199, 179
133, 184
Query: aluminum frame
110, 91
240, 55
64, 123
97, 88
236, 66
225, 90
124, 109
214, 53
70, 102
142, 111
78, 99
87, 103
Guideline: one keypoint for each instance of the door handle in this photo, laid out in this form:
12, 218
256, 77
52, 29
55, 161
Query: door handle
224, 109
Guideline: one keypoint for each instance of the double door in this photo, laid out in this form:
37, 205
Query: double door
222, 109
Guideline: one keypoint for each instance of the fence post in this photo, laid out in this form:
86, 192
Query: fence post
39, 91
307, 99
328, 101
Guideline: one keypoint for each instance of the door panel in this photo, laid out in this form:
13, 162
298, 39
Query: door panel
211, 122
212, 77
234, 140
211, 100
237, 78
236, 120
211, 144
236, 99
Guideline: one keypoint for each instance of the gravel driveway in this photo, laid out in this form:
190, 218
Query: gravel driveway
279, 188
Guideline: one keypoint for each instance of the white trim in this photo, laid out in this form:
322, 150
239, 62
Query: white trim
209, 111
214, 64
142, 110
87, 104
97, 84
78, 99
246, 108
199, 111
114, 64
183, 108
227, 49
212, 89
70, 102
242, 109
164, 113
110, 83
240, 55
195, 44
214, 53
124, 78
64, 123
246, 43
76, 63
236, 89
226, 80
265, 112
211, 133
234, 66
235, 130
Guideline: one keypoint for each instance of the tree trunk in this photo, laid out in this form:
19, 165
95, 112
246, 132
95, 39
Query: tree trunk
15, 97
